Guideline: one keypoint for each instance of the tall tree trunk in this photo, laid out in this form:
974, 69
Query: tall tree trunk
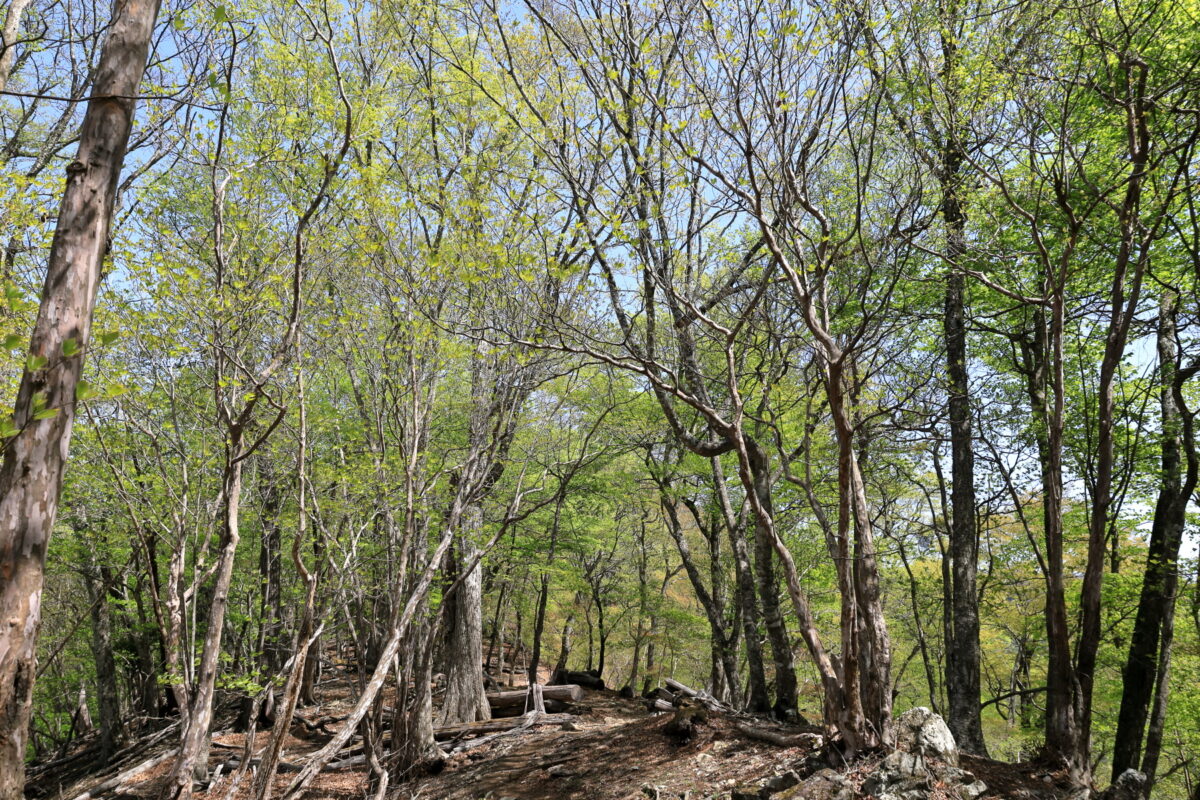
44, 411
1043, 370
539, 621
962, 651
1156, 603
465, 699
568, 630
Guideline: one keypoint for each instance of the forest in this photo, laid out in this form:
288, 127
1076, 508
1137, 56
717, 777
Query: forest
720, 380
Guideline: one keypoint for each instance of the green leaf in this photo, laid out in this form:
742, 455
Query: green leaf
220, 15
46, 413
12, 341
70, 347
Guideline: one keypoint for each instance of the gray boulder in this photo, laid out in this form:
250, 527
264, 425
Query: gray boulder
1129, 785
922, 732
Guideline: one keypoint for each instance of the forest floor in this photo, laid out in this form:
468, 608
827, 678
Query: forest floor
613, 749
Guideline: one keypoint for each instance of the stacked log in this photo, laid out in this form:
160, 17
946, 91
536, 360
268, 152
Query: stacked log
514, 703
671, 697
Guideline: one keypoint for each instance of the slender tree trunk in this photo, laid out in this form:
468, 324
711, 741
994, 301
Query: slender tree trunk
44, 411
11, 32
192, 762
1147, 647
962, 650
102, 655
412, 726
1044, 376
539, 621
1124, 292
768, 595
564, 648
757, 698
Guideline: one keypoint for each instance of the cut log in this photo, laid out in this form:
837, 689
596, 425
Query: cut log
689, 714
658, 704
493, 725
662, 694
712, 703
552, 707
568, 693
588, 680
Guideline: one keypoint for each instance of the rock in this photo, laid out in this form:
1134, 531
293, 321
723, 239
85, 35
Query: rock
569, 726
901, 772
813, 741
972, 790
922, 732
1129, 785
765, 789
780, 782
558, 771
826, 784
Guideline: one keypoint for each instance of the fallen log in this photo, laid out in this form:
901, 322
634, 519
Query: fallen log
707, 699
779, 738
566, 693
552, 706
124, 776
494, 725
662, 694
589, 680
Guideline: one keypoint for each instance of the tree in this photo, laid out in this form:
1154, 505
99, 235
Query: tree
37, 442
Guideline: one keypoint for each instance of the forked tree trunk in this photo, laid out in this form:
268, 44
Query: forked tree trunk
192, 761
413, 747
1148, 649
44, 411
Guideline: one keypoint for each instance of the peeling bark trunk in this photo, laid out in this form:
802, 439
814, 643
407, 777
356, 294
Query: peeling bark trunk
44, 412
12, 31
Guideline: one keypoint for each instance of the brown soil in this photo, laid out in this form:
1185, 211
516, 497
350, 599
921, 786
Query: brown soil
618, 751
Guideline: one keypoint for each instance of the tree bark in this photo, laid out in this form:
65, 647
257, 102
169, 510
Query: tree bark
768, 595
465, 699
98, 582
1147, 647
44, 412
962, 651
11, 32
757, 698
